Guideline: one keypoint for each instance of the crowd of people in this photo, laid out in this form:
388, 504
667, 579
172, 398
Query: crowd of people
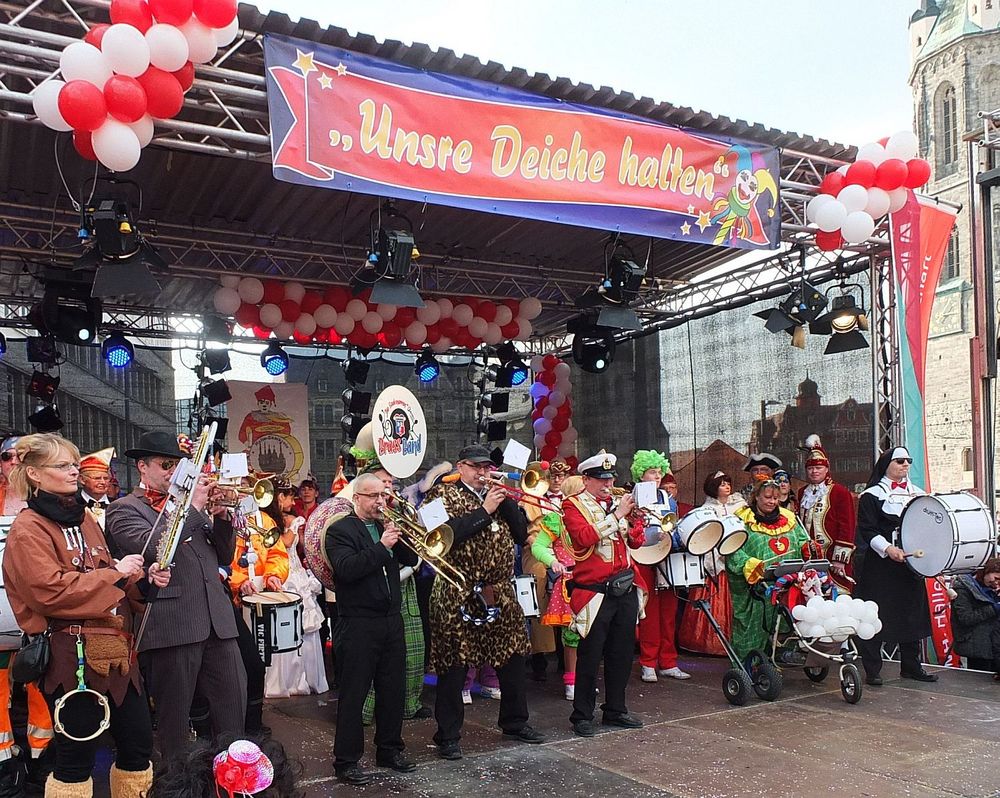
82, 566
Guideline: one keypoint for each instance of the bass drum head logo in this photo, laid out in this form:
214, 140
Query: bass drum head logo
399, 431
280, 455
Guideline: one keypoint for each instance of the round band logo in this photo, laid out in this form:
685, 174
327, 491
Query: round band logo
399, 431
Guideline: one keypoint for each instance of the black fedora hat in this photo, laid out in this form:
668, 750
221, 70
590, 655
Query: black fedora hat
156, 443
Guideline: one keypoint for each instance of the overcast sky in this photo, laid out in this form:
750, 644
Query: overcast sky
832, 70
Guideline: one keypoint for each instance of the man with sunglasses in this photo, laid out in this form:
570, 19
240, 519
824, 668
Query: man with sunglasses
9, 503
882, 573
190, 640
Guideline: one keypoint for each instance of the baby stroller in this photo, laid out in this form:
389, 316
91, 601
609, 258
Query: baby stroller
794, 641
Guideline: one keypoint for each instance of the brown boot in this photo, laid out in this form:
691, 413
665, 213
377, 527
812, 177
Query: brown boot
62, 789
130, 783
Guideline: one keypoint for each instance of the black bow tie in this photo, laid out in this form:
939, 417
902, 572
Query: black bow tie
102, 503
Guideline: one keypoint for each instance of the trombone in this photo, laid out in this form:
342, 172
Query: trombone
430, 545
532, 487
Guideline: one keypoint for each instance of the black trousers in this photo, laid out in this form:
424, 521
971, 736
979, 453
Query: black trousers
871, 655
130, 728
449, 712
611, 638
369, 650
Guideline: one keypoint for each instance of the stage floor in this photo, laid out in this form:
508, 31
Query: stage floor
905, 738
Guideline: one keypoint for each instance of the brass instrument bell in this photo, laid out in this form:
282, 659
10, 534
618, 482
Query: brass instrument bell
534, 480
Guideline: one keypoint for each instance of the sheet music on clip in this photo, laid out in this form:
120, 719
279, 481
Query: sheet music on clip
645, 494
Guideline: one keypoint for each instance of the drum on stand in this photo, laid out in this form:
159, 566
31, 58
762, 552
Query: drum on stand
680, 570
10, 634
734, 535
954, 533
524, 589
700, 531
275, 620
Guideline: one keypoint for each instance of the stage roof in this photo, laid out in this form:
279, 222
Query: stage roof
211, 204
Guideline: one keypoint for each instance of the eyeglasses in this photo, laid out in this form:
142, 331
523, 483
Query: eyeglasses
63, 466
167, 465
371, 495
479, 466
8, 456
903, 460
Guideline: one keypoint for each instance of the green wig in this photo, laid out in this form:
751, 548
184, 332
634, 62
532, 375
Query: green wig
645, 459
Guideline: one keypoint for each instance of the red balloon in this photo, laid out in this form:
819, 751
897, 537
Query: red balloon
215, 13
487, 310
510, 330
535, 415
391, 335
96, 33
414, 346
125, 98
513, 304
553, 438
890, 174
860, 173
311, 301
548, 452
829, 241
918, 171
172, 12
274, 292
433, 335
337, 297
405, 317
322, 335
832, 184
185, 76
549, 362
247, 315
560, 424
547, 378
541, 403
290, 310
262, 332
83, 144
449, 328
164, 95
302, 339
572, 461
82, 105
133, 12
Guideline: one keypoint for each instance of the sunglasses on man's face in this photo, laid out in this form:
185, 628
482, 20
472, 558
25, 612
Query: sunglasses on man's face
8, 456
903, 460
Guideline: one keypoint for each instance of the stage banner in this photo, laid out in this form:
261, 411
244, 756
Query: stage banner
272, 428
354, 122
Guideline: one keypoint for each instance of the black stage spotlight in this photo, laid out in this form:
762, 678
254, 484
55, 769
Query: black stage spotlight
594, 351
117, 350
427, 367
43, 351
803, 305
67, 315
391, 252
46, 419
845, 342
493, 430
356, 371
216, 360
216, 392
121, 256
215, 328
495, 402
844, 316
357, 402
274, 359
623, 277
43, 386
351, 425
3, 345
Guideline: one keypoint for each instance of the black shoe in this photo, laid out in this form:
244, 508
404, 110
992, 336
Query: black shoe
526, 735
262, 732
421, 714
874, 681
584, 728
450, 750
397, 762
919, 676
625, 721
355, 776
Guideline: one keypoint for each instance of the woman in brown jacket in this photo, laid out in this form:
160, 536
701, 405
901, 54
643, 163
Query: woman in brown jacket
61, 577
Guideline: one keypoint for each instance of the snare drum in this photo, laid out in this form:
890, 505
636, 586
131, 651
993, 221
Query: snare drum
680, 570
524, 589
734, 535
10, 634
275, 620
700, 531
954, 530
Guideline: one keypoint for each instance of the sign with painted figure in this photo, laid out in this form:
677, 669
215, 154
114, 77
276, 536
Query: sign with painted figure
358, 123
273, 427
399, 431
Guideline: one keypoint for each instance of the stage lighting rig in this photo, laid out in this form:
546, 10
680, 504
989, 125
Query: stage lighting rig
623, 278
67, 311
427, 367
512, 372
46, 419
215, 392
119, 253
43, 351
215, 360
117, 350
392, 249
3, 344
274, 359
43, 385
593, 345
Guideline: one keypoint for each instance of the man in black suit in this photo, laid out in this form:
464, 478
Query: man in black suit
368, 639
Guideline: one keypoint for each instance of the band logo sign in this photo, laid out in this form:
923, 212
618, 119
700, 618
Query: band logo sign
399, 431
357, 123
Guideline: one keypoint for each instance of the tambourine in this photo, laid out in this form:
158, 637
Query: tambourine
61, 702
489, 614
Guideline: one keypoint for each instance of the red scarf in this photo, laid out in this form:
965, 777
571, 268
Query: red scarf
154, 498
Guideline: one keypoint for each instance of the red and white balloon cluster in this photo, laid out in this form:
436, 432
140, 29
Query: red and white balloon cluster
856, 196
552, 417
291, 312
124, 76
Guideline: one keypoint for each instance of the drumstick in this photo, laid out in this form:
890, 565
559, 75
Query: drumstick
917, 554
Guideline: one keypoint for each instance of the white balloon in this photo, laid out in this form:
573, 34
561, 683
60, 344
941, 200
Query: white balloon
866, 631
372, 322
816, 630
843, 600
306, 324
556, 398
462, 314
294, 291
530, 308
815, 602
873, 151
524, 330
827, 611
842, 170
270, 315
878, 625
565, 449
168, 49
541, 426
797, 611
387, 312
284, 330
430, 313
815, 204
45, 102
539, 441
562, 369
202, 45
356, 309
536, 363
416, 332
116, 146
538, 390
897, 199
858, 227
446, 306
840, 638
126, 50
82, 61
443, 345
226, 300
878, 203
857, 606
550, 412
504, 315
853, 198
831, 215
229, 280
570, 434
810, 615
902, 145
143, 129
344, 325
325, 315
224, 36
478, 327
494, 334
251, 290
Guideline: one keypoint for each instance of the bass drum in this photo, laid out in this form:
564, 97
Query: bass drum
700, 531
734, 535
315, 537
955, 532
10, 634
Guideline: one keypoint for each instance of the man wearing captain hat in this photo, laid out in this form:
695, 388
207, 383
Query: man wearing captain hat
604, 598
95, 479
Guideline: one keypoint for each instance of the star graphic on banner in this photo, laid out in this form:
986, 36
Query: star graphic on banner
340, 69
304, 62
686, 229
326, 81
703, 221
691, 209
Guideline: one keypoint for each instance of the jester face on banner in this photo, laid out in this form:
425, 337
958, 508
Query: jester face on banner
399, 431
738, 214
271, 447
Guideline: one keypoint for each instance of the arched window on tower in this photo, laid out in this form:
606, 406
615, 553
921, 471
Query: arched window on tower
951, 268
946, 128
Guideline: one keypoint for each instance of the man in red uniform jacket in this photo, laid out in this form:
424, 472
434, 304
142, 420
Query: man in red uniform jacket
827, 512
604, 600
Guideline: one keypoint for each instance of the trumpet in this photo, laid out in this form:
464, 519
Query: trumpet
231, 495
531, 490
667, 522
431, 545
